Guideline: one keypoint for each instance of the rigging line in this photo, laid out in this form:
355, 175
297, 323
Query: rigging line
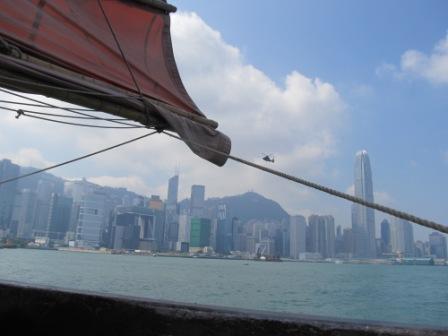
333, 192
57, 115
78, 158
22, 113
43, 106
65, 109
120, 49
99, 94
125, 61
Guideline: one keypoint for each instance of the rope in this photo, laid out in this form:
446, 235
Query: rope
125, 61
78, 158
333, 192
65, 109
47, 107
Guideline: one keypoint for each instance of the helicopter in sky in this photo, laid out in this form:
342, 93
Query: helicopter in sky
268, 157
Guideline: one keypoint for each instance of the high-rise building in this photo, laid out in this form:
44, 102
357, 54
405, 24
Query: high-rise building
402, 237
223, 233
200, 232
322, 235
437, 245
7, 193
297, 238
90, 221
59, 216
24, 214
197, 201
363, 218
137, 228
173, 188
172, 214
386, 245
184, 228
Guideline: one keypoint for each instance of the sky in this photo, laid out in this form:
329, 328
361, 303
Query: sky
312, 82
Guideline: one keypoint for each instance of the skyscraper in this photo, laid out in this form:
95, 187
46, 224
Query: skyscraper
7, 193
171, 214
197, 201
386, 246
402, 237
322, 237
173, 187
297, 240
437, 245
363, 218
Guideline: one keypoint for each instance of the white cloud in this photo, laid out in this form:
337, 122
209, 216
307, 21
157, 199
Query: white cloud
432, 67
28, 157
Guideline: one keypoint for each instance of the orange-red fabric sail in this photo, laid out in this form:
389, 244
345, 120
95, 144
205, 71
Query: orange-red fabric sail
75, 36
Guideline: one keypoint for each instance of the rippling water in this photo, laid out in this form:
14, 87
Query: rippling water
404, 294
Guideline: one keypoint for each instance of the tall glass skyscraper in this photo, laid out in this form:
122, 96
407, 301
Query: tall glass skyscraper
363, 218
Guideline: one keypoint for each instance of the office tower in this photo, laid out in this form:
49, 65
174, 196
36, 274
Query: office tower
172, 214
363, 218
89, 224
200, 229
23, 217
222, 232
136, 228
184, 228
59, 216
173, 187
322, 235
297, 236
402, 238
437, 245
408, 236
7, 193
197, 201
386, 246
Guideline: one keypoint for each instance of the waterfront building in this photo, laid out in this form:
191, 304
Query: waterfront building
59, 216
363, 218
402, 238
91, 217
23, 217
386, 245
437, 245
200, 232
197, 201
223, 234
137, 228
297, 238
347, 238
322, 235
184, 228
8, 193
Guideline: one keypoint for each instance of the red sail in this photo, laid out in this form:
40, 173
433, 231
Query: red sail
77, 36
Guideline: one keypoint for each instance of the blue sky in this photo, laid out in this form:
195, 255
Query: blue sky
312, 82
402, 122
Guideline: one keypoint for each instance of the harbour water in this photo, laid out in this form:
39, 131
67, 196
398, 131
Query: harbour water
398, 294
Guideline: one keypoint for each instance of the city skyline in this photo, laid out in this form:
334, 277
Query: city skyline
85, 215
